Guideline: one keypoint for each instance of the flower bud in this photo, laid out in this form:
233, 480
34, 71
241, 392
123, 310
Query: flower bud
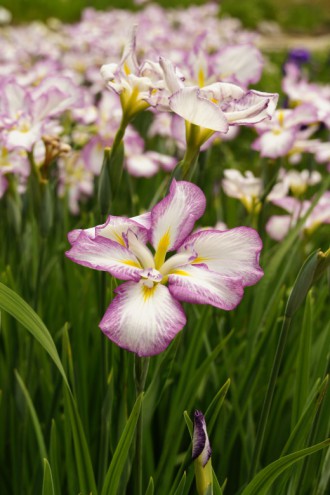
201, 454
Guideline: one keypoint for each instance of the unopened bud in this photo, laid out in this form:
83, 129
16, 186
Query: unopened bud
201, 455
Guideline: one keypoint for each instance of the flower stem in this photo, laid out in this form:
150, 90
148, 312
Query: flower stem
119, 136
111, 171
189, 163
269, 396
141, 366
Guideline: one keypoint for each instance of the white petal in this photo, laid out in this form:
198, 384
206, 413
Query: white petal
278, 226
143, 320
141, 166
116, 229
173, 218
275, 144
222, 92
140, 250
241, 62
173, 81
233, 253
252, 108
197, 110
105, 255
197, 284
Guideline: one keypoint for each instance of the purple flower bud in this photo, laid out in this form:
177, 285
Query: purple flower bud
201, 443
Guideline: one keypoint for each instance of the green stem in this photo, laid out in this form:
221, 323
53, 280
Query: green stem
141, 369
269, 396
111, 171
119, 136
189, 162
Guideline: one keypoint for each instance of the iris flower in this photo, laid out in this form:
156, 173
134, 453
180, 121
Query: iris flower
137, 85
215, 107
209, 267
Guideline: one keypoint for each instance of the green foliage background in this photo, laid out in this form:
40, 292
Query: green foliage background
297, 16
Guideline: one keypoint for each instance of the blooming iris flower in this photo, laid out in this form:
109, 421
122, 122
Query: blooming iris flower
247, 188
137, 85
279, 135
278, 226
216, 106
210, 267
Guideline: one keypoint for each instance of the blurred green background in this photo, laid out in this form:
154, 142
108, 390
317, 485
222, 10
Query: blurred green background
296, 16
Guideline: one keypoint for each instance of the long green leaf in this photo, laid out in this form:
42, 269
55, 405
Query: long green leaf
262, 482
150, 488
83, 460
179, 490
325, 476
303, 426
53, 458
212, 412
47, 484
189, 423
82, 455
34, 417
303, 363
13, 304
112, 479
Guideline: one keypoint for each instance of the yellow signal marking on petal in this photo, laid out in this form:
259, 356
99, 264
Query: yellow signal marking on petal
126, 68
200, 259
201, 78
281, 118
162, 249
148, 292
181, 272
214, 100
119, 238
131, 263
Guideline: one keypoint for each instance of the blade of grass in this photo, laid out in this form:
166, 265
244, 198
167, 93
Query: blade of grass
83, 461
53, 458
34, 417
180, 488
302, 428
150, 487
112, 479
47, 483
262, 482
212, 412
13, 304
303, 363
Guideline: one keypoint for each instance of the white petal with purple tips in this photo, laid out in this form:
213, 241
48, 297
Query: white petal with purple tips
143, 320
173, 218
233, 253
105, 255
197, 284
197, 110
116, 229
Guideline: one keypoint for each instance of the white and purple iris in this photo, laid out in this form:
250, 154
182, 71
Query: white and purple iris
210, 267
